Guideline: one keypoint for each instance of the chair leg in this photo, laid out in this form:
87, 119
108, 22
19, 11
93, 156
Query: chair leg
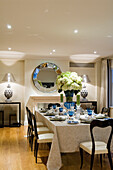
28, 132
49, 145
29, 135
110, 159
81, 154
35, 148
101, 160
36, 151
92, 159
104, 155
32, 142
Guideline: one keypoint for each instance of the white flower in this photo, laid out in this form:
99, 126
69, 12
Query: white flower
64, 87
65, 80
69, 81
73, 76
75, 86
79, 79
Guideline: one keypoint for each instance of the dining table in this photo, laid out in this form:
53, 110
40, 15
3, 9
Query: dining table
67, 138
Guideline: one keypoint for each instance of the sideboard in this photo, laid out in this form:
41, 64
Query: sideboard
34, 100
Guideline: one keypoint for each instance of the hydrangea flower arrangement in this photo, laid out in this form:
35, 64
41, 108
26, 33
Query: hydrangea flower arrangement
69, 81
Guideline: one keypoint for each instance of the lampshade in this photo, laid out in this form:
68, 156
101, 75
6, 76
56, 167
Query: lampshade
9, 77
85, 78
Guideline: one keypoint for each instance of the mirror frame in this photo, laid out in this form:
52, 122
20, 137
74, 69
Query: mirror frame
35, 73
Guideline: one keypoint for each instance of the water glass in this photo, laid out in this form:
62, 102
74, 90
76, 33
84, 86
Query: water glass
71, 113
60, 109
54, 106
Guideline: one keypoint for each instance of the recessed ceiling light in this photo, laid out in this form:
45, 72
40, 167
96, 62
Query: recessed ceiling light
9, 26
9, 48
46, 10
109, 36
54, 50
50, 53
75, 31
28, 27
94, 52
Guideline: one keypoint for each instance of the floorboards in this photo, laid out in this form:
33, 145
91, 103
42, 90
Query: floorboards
15, 154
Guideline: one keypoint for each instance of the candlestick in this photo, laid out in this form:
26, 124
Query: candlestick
78, 99
61, 98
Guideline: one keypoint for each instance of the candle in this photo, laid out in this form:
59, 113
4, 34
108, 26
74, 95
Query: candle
78, 99
61, 98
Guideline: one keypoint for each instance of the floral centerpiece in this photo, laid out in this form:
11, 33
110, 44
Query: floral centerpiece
70, 83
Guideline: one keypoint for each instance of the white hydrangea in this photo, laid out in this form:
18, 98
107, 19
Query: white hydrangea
69, 81
79, 79
73, 76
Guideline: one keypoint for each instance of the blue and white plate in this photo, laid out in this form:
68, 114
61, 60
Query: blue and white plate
72, 121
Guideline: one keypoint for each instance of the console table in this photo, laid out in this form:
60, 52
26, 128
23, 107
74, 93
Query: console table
33, 100
94, 103
18, 124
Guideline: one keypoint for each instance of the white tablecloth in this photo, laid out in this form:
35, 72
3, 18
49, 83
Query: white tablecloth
67, 138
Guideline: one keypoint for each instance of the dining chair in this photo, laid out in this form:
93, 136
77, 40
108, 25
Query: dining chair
40, 138
29, 123
106, 110
30, 131
97, 147
52, 104
40, 130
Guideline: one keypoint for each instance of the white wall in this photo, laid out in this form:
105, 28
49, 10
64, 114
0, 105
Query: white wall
30, 89
91, 85
23, 88
17, 68
30, 65
98, 83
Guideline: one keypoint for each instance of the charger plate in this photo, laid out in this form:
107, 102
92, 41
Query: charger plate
72, 121
57, 118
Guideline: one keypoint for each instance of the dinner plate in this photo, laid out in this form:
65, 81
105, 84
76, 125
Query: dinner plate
100, 116
49, 114
57, 119
72, 121
86, 121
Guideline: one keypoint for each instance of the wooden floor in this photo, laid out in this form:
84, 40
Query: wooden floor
15, 154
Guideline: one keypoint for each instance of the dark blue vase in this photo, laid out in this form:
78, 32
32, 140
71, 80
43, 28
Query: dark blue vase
69, 104
69, 95
69, 99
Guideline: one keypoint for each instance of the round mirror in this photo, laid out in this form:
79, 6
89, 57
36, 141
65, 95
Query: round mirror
44, 77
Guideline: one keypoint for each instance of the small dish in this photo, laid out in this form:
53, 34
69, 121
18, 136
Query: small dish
58, 118
100, 116
72, 121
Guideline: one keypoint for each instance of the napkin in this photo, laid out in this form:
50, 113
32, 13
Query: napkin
58, 118
100, 116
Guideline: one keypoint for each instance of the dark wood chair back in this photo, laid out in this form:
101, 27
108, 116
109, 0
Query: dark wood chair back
34, 126
105, 110
51, 104
101, 124
29, 116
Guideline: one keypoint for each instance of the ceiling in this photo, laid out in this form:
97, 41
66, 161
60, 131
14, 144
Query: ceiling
39, 26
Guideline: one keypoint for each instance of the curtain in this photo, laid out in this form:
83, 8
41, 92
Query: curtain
104, 85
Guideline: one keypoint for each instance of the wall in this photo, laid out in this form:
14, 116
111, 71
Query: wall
30, 89
98, 83
30, 65
91, 85
23, 88
17, 68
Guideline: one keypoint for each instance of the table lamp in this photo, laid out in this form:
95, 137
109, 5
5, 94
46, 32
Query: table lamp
84, 92
8, 92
